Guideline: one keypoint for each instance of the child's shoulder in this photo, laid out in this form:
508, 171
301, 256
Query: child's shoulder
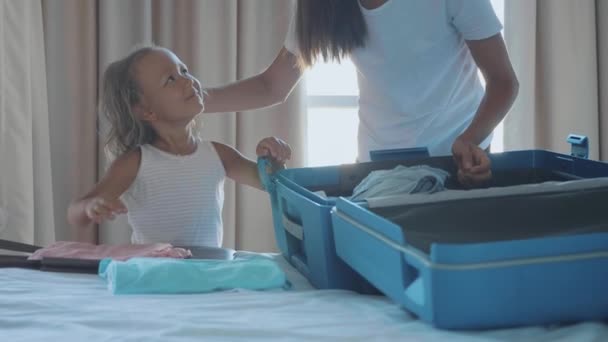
227, 154
127, 161
222, 148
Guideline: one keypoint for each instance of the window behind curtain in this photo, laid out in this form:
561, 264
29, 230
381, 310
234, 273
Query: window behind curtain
332, 111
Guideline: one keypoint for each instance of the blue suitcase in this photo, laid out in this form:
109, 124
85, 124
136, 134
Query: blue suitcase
513, 254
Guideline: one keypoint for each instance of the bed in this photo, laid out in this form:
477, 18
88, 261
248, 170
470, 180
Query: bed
50, 306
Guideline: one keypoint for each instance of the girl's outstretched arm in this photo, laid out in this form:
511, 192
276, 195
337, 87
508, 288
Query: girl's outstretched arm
103, 201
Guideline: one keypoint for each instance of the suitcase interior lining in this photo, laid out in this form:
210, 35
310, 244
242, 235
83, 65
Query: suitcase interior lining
492, 219
485, 220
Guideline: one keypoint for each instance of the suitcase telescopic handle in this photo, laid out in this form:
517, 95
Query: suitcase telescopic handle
399, 154
579, 145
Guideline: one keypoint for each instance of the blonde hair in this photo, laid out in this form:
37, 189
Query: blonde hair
120, 92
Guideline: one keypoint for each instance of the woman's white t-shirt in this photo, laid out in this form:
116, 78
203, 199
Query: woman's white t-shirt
418, 82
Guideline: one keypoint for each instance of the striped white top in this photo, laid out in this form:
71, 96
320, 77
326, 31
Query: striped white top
177, 199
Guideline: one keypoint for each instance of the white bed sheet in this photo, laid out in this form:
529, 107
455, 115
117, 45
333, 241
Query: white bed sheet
41, 306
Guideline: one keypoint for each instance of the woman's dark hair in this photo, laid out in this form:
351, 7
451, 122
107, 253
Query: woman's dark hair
330, 29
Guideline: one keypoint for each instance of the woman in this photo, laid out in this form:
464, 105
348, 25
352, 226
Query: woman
417, 63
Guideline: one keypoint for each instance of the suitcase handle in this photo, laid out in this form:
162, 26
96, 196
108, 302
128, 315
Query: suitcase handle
417, 292
579, 145
411, 282
293, 228
399, 154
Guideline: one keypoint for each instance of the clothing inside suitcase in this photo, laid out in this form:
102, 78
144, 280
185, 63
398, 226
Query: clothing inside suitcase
351, 175
511, 209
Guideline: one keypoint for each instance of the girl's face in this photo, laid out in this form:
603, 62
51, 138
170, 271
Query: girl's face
169, 92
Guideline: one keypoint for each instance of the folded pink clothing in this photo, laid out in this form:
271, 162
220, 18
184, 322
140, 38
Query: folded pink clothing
81, 250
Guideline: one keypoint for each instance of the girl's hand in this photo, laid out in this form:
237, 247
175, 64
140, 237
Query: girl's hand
473, 163
99, 209
274, 148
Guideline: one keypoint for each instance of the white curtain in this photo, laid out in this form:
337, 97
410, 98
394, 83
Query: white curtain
559, 50
26, 192
220, 40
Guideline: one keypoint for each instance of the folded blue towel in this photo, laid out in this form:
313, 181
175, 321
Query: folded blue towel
164, 275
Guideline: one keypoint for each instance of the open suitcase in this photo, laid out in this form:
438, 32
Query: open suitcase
485, 276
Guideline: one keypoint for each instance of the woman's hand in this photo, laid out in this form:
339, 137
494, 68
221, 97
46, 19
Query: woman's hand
275, 148
474, 166
99, 209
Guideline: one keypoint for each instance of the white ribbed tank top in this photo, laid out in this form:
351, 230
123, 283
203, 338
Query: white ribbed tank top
177, 199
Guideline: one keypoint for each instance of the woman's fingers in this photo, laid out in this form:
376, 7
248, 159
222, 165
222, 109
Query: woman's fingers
479, 167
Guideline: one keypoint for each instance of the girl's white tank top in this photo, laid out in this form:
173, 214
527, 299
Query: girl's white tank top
177, 199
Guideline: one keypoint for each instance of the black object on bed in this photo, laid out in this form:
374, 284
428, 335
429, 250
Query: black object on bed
51, 264
88, 266
46, 264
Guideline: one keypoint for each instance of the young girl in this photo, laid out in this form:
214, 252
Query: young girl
168, 182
